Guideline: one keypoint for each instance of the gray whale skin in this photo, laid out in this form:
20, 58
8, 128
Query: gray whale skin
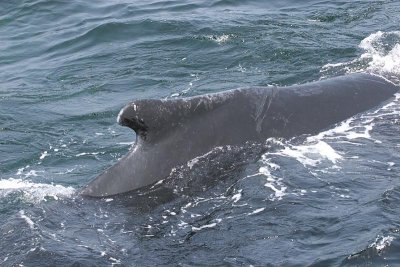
172, 132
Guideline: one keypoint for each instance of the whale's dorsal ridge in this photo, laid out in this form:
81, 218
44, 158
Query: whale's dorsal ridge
172, 132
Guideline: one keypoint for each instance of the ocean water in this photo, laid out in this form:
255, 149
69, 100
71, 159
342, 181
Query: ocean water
68, 67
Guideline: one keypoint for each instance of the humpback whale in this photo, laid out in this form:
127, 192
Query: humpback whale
171, 132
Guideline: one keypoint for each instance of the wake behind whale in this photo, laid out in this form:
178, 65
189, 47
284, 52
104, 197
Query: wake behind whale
172, 132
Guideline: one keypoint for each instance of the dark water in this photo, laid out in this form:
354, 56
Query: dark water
68, 67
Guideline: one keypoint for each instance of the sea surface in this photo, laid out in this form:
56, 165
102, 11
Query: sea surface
68, 67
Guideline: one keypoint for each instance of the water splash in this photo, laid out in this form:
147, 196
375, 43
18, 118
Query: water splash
381, 56
381, 242
382, 50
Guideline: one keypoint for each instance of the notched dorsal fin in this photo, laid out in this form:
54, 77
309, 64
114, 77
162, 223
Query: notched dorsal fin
130, 116
149, 117
152, 118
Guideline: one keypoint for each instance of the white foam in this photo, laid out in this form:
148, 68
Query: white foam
32, 173
21, 170
241, 68
182, 224
127, 143
256, 211
348, 129
236, 197
211, 225
34, 192
365, 134
114, 261
87, 153
317, 149
192, 162
381, 243
220, 39
381, 56
311, 153
272, 182
27, 219
279, 192
43, 155
340, 129
25, 173
382, 61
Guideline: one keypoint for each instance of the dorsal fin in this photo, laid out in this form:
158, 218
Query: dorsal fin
130, 117
152, 118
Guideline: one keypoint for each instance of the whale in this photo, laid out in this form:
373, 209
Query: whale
171, 132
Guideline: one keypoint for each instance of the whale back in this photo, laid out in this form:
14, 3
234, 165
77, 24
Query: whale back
261, 112
172, 132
